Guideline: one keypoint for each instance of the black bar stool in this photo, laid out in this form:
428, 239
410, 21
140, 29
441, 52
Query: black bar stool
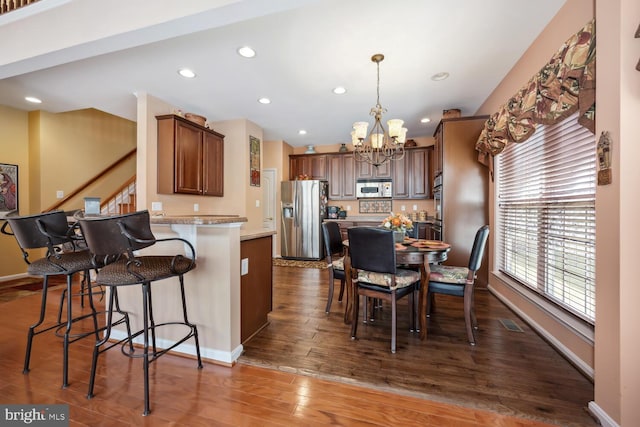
51, 231
113, 241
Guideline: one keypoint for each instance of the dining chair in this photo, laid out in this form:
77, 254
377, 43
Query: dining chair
334, 255
374, 274
51, 231
114, 242
460, 282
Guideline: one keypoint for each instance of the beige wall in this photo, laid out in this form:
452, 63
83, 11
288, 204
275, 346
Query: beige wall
239, 197
77, 145
617, 385
61, 152
14, 146
613, 357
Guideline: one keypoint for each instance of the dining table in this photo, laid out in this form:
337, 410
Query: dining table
412, 253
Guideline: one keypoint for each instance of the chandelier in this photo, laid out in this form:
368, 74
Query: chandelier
380, 145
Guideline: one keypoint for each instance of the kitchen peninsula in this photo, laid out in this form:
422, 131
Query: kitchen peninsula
213, 289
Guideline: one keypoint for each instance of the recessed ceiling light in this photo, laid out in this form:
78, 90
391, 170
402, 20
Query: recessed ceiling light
302, 132
264, 101
246, 52
440, 76
187, 73
425, 120
339, 90
33, 99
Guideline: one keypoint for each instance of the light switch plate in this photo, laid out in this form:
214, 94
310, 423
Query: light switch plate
59, 194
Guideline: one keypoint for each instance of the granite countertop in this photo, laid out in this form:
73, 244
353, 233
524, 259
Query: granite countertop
256, 233
197, 219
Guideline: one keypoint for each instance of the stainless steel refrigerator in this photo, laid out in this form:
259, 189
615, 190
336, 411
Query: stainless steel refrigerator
304, 207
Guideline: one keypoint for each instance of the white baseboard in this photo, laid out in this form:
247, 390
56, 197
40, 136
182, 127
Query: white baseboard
584, 367
604, 418
222, 357
13, 277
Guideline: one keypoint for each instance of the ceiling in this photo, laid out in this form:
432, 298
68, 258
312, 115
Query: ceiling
304, 48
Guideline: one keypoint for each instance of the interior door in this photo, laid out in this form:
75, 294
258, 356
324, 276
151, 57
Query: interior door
269, 199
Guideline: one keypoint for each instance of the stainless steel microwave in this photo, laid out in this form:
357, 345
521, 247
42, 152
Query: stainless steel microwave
374, 188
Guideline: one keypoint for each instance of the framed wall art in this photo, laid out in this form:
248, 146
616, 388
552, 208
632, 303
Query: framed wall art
254, 161
8, 189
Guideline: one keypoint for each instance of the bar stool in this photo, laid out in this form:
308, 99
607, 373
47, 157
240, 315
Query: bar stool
113, 241
51, 231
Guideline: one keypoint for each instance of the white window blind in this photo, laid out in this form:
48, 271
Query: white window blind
546, 214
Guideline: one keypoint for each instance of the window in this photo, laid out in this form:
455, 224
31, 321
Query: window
546, 215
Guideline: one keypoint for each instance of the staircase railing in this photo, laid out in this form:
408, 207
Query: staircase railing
122, 200
84, 186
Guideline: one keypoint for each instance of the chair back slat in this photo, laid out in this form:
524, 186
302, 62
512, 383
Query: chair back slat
332, 238
477, 251
372, 249
105, 237
40, 230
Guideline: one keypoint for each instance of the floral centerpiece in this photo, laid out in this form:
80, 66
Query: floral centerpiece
399, 223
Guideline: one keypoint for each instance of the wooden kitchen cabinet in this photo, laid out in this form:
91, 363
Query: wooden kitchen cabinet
366, 170
256, 287
190, 158
312, 165
341, 176
465, 188
412, 175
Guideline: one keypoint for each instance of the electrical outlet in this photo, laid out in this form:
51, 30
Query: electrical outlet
156, 206
196, 207
348, 207
59, 194
415, 207
403, 208
257, 203
244, 266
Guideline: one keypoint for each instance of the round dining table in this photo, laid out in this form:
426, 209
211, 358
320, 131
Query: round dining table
411, 253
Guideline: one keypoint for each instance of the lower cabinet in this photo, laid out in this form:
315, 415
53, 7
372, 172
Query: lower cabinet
256, 287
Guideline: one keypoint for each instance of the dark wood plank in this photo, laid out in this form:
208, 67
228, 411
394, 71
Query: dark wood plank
513, 373
311, 343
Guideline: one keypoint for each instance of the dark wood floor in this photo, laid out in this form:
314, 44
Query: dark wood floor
514, 373
246, 394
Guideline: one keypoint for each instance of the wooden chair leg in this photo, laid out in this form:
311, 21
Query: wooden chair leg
468, 307
354, 312
330, 297
393, 321
342, 285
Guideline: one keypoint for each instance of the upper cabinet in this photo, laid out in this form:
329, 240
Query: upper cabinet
341, 176
190, 158
412, 175
366, 170
314, 166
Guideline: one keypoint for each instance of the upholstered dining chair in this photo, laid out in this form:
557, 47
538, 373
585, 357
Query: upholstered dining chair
334, 254
374, 274
460, 282
114, 242
51, 231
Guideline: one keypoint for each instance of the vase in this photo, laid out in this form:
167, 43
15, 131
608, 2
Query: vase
398, 236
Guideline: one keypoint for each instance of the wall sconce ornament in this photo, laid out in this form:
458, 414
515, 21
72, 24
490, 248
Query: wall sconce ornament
604, 158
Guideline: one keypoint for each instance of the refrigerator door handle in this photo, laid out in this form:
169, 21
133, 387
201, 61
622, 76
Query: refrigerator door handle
295, 205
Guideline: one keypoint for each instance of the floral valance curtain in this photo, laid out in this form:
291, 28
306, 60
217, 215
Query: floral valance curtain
564, 85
